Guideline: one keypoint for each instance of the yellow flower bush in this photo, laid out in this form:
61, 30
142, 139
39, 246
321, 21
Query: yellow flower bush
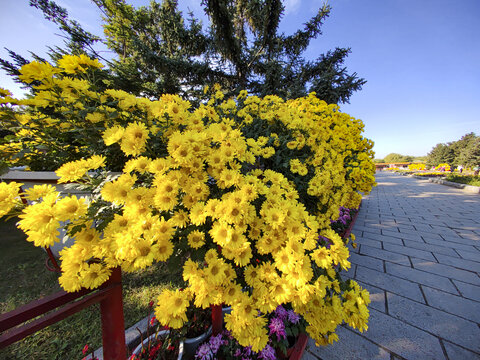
416, 167
235, 191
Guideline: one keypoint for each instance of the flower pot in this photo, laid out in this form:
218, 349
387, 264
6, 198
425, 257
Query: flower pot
292, 342
137, 351
191, 344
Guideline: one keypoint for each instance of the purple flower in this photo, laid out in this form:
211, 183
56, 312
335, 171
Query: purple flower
281, 312
276, 327
293, 317
215, 343
204, 352
247, 351
238, 352
268, 353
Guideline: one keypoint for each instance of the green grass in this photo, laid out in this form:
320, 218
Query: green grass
464, 179
24, 278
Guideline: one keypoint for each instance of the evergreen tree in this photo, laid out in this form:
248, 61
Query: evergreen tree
441, 154
160, 51
467, 150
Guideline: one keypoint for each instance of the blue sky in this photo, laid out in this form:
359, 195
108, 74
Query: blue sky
421, 60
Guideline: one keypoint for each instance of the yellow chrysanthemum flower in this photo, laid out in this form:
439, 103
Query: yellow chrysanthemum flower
196, 239
8, 196
94, 275
71, 208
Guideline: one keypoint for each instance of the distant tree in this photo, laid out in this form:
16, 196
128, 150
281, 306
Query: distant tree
394, 158
160, 51
441, 154
378, 161
467, 150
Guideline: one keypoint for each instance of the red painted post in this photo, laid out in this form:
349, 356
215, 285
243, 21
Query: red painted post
113, 324
217, 319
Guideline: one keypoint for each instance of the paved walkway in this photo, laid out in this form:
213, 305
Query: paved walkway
419, 256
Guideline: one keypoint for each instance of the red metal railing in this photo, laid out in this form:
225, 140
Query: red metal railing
64, 304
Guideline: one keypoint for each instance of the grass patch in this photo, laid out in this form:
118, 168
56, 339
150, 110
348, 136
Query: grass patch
464, 179
24, 278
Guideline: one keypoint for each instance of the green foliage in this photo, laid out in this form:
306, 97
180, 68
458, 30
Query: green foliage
465, 152
159, 50
397, 158
464, 179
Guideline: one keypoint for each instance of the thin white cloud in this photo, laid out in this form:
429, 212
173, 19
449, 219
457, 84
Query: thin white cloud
292, 6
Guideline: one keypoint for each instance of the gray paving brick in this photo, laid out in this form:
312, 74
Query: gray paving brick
402, 339
403, 235
435, 321
405, 222
455, 352
307, 355
384, 255
423, 227
468, 290
405, 228
421, 277
468, 234
350, 274
421, 233
459, 263
449, 244
446, 270
351, 346
377, 296
473, 255
457, 305
443, 230
460, 240
432, 221
367, 229
390, 283
378, 237
369, 242
431, 248
377, 226
409, 251
367, 261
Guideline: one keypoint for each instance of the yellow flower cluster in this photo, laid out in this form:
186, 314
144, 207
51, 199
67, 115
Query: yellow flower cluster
9, 193
416, 167
238, 189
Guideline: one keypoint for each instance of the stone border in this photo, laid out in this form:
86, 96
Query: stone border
467, 188
132, 336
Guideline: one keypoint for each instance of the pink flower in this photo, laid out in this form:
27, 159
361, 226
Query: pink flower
277, 327
85, 349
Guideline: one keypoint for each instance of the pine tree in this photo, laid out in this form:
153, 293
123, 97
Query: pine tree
440, 154
160, 51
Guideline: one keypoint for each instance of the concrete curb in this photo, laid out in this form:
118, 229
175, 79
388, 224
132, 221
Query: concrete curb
132, 336
467, 188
